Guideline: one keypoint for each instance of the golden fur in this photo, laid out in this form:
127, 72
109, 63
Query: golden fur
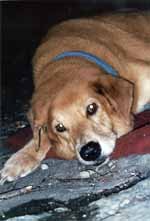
64, 88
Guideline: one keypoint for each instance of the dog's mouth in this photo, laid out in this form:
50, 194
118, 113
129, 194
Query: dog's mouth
97, 162
100, 161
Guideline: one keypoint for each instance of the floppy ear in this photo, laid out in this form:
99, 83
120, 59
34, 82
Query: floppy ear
118, 94
40, 131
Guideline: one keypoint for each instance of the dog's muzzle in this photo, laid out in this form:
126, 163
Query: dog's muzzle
90, 151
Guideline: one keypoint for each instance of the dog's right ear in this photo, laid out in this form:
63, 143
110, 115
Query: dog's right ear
40, 131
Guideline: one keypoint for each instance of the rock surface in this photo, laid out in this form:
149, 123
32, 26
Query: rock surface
118, 190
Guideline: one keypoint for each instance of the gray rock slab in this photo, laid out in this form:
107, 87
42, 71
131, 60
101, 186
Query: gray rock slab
131, 204
68, 184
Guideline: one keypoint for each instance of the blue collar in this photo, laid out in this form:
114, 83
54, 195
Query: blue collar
101, 63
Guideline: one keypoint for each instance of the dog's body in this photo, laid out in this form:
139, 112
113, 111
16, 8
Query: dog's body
82, 107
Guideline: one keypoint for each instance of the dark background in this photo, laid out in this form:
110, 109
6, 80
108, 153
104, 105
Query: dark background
23, 25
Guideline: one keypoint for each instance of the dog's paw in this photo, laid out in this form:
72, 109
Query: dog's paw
19, 165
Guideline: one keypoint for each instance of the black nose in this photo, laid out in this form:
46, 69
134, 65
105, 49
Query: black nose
91, 151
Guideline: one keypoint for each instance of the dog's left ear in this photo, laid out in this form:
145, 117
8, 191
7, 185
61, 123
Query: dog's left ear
117, 92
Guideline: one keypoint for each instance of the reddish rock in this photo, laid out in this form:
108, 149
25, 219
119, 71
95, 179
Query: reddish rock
136, 142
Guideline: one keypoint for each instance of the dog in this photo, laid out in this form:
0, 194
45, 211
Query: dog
91, 75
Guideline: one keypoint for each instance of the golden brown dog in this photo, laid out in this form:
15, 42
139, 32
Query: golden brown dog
77, 108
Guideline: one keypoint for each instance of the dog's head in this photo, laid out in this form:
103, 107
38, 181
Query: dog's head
86, 115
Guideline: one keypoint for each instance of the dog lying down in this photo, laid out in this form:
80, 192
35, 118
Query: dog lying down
91, 75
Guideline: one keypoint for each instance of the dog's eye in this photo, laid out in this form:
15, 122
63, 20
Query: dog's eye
91, 109
60, 128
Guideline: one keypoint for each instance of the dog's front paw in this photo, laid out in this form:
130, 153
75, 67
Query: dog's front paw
19, 165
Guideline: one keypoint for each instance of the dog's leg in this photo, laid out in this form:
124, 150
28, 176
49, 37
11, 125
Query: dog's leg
142, 90
141, 97
23, 162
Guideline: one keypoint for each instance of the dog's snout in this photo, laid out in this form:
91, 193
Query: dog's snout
91, 151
